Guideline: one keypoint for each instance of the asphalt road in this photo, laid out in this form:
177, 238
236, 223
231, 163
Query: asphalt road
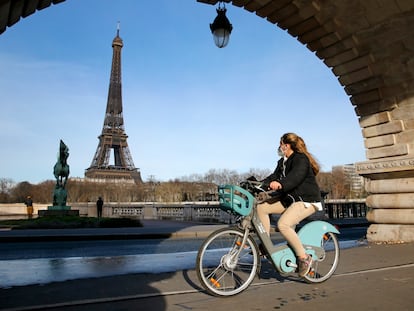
369, 277
106, 248
25, 263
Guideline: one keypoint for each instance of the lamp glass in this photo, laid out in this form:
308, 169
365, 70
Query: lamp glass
221, 37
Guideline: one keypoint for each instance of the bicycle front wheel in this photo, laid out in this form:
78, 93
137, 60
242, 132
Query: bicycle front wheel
323, 268
224, 266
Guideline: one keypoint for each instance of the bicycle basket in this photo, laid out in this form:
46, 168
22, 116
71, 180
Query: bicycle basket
235, 199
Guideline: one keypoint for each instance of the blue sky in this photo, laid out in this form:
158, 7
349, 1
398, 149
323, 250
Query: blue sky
188, 106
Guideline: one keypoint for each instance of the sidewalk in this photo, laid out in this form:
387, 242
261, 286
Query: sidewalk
151, 229
369, 277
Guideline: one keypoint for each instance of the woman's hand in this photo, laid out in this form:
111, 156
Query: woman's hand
275, 185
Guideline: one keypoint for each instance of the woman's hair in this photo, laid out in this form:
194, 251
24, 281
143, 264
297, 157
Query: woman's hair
298, 145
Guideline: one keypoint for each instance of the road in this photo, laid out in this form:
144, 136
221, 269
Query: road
44, 262
107, 248
369, 277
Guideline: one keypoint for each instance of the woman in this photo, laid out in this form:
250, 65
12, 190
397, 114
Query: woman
294, 178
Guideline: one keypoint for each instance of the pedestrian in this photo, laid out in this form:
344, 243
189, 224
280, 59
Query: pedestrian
99, 206
294, 179
29, 206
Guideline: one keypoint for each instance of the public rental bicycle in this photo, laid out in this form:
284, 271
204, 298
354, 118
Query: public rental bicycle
229, 259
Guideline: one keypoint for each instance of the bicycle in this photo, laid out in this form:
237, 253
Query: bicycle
229, 259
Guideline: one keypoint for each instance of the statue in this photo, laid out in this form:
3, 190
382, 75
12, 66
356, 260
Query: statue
60, 195
61, 168
61, 172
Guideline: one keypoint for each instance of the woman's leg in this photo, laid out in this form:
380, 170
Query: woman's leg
287, 222
265, 209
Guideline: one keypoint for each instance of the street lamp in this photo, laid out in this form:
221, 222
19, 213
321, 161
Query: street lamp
221, 27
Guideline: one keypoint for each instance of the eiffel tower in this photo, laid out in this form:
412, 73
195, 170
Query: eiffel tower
113, 137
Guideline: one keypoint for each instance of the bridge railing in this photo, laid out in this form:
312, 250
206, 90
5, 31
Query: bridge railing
339, 209
186, 211
210, 211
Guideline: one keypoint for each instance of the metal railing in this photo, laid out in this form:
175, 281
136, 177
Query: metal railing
340, 209
210, 211
185, 211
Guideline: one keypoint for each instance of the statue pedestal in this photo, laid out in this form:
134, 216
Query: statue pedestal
58, 211
58, 208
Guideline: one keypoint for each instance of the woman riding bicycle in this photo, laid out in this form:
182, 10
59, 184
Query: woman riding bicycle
294, 177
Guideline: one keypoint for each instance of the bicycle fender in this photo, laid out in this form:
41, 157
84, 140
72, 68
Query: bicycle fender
312, 232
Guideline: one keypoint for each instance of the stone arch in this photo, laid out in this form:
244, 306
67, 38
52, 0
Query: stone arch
369, 47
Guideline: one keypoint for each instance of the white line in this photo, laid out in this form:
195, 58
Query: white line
375, 270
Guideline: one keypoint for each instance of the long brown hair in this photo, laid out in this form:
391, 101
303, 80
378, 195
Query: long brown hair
298, 145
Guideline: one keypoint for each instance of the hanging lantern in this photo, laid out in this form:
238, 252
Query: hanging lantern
221, 27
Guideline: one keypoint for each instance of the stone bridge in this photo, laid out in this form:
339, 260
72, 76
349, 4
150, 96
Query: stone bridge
369, 47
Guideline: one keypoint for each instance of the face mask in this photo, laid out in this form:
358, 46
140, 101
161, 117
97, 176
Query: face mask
280, 152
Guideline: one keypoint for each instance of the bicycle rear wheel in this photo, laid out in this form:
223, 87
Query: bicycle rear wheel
224, 267
323, 268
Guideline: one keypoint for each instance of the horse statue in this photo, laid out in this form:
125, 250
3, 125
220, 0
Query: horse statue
61, 168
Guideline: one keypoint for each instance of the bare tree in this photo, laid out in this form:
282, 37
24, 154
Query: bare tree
259, 174
21, 191
6, 185
324, 180
340, 185
195, 187
43, 192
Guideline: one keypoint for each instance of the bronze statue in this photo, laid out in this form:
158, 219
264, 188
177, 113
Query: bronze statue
61, 168
61, 172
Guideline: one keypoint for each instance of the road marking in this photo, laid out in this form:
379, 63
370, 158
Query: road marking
409, 265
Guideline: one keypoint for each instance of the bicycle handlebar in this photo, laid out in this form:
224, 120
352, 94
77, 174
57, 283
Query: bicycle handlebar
255, 187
